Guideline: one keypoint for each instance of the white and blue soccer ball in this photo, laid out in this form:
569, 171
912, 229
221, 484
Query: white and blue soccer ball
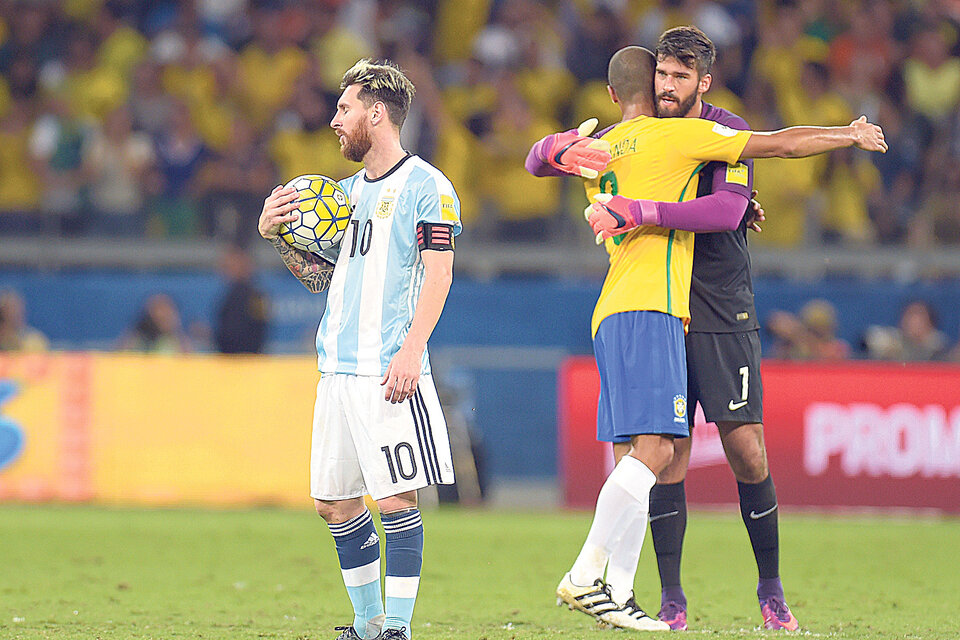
324, 214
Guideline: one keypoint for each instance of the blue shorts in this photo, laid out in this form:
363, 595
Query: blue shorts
643, 376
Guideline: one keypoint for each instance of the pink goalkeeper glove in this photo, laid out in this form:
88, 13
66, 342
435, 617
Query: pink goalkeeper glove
576, 153
612, 216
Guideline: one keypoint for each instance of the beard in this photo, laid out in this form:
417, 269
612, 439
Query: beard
356, 146
682, 106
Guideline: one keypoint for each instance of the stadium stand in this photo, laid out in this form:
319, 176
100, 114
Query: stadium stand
136, 119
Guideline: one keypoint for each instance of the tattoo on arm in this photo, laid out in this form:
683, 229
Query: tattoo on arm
314, 272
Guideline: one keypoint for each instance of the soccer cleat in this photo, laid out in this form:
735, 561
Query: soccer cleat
347, 633
631, 616
592, 600
777, 615
674, 615
394, 634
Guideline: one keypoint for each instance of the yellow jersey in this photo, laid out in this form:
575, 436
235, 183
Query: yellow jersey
656, 159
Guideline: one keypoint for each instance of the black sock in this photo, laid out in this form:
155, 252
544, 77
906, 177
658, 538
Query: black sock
668, 523
758, 507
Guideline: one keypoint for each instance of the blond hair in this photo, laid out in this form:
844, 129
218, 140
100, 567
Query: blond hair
381, 81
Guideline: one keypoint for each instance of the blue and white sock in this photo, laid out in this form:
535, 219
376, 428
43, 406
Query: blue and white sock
404, 552
359, 549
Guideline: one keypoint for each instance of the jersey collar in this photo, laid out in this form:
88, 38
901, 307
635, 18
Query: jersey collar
390, 172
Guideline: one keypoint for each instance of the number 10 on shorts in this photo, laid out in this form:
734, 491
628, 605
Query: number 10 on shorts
400, 461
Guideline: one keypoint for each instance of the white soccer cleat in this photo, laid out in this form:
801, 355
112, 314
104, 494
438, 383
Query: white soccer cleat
592, 600
631, 616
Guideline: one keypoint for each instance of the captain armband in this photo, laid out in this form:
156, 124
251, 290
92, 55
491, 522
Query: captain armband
434, 236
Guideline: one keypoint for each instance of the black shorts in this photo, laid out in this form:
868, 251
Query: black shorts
723, 375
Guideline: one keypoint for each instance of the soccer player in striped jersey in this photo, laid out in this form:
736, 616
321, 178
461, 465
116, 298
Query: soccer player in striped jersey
643, 309
378, 428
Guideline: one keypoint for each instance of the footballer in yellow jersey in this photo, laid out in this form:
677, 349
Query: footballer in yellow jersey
656, 159
638, 323
653, 160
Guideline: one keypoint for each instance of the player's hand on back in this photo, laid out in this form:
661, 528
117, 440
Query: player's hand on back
402, 376
278, 207
755, 214
612, 215
577, 153
868, 136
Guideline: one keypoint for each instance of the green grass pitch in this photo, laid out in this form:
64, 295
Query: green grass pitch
83, 572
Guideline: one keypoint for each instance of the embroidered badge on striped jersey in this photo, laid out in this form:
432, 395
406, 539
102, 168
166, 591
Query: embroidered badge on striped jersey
386, 204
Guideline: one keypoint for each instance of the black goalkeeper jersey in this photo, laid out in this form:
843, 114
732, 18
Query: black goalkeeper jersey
721, 291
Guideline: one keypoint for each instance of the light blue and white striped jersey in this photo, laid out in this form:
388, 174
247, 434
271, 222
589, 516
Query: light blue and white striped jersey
378, 276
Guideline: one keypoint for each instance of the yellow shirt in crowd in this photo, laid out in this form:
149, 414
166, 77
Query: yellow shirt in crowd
297, 152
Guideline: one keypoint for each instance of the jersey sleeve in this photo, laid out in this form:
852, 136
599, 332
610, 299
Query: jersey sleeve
738, 177
347, 183
705, 140
438, 204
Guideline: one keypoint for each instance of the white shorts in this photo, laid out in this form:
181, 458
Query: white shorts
363, 445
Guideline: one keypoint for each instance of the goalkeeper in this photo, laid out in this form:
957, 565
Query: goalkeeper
643, 309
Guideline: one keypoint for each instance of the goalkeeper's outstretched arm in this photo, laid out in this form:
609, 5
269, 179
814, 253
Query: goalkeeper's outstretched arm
311, 270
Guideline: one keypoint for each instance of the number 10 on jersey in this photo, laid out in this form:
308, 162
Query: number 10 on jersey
361, 238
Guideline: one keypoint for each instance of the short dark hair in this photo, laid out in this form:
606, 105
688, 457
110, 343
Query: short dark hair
690, 46
630, 73
381, 81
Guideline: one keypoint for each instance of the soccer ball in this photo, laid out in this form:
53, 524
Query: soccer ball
324, 214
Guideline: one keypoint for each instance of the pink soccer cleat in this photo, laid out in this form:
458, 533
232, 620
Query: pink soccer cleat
777, 615
674, 614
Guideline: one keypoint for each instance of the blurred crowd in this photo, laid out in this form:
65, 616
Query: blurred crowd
811, 334
170, 118
239, 322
